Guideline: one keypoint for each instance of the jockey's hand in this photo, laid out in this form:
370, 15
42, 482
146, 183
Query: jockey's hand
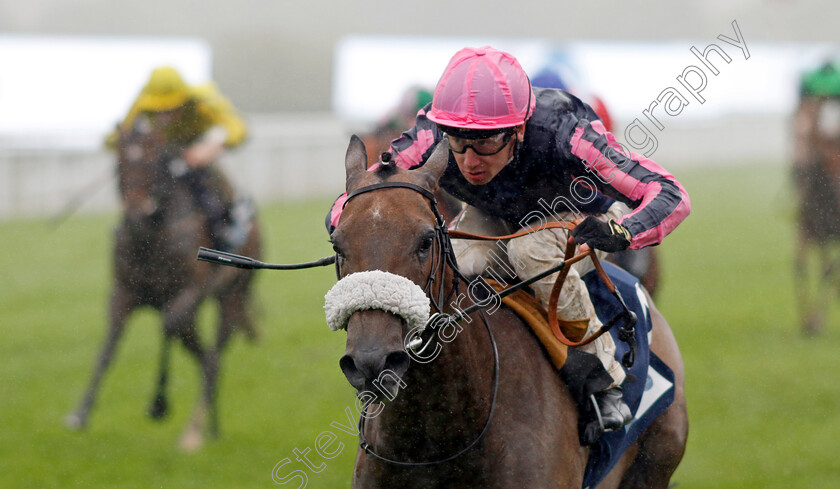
207, 149
201, 154
605, 236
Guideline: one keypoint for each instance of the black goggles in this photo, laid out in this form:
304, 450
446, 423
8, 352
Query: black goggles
487, 146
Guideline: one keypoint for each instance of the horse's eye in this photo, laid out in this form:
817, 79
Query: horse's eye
426, 245
336, 248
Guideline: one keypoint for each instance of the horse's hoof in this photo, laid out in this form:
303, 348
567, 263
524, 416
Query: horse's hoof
191, 440
159, 408
251, 331
811, 327
75, 422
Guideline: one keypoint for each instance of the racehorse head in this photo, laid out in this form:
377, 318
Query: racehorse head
145, 180
388, 249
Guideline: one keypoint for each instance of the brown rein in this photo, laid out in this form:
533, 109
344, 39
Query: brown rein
570, 259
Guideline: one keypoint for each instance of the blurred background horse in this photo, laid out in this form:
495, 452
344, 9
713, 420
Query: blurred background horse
154, 265
817, 180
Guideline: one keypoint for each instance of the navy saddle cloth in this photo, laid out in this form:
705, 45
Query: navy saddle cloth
653, 389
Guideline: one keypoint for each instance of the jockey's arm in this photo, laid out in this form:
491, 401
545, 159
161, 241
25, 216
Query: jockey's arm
658, 200
228, 129
207, 148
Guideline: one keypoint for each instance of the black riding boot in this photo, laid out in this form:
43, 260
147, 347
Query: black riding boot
614, 412
601, 409
208, 198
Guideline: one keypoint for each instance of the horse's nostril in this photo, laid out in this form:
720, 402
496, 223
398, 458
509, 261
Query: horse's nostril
397, 362
149, 207
354, 376
141, 209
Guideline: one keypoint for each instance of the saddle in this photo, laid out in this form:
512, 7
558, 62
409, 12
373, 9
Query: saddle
536, 317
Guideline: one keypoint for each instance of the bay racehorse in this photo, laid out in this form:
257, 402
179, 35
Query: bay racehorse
817, 181
154, 265
490, 410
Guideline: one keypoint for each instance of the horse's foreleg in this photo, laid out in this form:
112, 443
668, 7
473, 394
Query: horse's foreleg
815, 293
179, 321
826, 288
192, 438
801, 286
159, 405
121, 305
232, 314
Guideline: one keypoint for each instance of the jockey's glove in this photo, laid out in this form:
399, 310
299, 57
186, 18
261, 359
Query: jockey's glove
606, 236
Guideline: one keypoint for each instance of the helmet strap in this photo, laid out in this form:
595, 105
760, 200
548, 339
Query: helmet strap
528, 107
516, 147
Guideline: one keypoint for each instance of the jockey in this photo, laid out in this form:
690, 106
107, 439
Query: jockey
548, 78
520, 154
401, 116
394, 121
817, 118
201, 123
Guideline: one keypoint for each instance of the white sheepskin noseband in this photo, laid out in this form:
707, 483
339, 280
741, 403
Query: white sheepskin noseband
376, 289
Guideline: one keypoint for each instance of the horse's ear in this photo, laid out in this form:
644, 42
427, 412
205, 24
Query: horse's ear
355, 161
436, 164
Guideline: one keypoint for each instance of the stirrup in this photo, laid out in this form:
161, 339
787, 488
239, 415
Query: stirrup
598, 413
625, 419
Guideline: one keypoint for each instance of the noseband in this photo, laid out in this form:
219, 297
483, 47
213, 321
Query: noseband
445, 254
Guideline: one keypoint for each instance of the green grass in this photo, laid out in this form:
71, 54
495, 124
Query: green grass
762, 399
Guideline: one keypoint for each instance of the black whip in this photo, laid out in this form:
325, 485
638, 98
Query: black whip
238, 261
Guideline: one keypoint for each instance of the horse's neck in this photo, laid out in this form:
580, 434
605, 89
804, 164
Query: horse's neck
181, 203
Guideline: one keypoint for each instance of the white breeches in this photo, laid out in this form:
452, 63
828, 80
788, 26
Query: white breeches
526, 257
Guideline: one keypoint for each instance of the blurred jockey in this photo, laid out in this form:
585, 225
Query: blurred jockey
395, 121
817, 119
402, 116
548, 78
515, 154
201, 123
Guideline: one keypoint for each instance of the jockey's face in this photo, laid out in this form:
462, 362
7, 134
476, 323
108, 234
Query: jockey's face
480, 169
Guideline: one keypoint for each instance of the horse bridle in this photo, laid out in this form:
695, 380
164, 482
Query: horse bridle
444, 254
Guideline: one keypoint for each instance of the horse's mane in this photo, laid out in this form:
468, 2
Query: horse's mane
385, 171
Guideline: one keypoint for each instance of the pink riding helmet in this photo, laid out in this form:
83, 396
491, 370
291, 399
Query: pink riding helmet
482, 88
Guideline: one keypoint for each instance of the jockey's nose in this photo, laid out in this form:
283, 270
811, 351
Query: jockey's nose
471, 159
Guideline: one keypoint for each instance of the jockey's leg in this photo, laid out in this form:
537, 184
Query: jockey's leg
477, 257
214, 197
591, 371
539, 251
